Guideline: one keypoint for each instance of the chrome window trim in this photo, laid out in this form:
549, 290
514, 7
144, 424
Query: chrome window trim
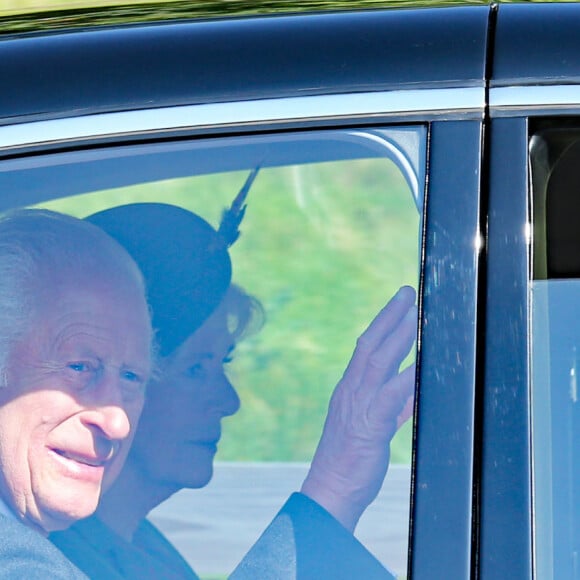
462, 102
522, 100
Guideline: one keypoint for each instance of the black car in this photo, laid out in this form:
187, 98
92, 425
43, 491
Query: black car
434, 147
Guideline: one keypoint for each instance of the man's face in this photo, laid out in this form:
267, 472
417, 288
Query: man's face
75, 388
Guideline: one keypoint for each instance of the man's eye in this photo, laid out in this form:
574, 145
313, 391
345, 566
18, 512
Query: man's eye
133, 384
80, 374
131, 377
79, 366
227, 360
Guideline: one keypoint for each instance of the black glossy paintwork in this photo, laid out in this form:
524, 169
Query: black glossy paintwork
506, 507
537, 44
442, 527
187, 63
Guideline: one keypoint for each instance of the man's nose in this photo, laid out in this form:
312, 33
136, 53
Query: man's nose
107, 409
112, 420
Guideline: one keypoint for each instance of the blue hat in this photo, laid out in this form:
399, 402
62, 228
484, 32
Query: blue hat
184, 260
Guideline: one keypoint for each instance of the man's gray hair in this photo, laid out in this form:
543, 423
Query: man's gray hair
40, 246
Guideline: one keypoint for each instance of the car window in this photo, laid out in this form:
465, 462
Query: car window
555, 293
331, 231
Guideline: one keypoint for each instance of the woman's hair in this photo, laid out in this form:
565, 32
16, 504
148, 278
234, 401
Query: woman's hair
245, 313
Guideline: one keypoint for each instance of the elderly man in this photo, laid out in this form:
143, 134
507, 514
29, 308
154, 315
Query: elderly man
75, 354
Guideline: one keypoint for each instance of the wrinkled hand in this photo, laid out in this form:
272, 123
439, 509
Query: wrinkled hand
371, 401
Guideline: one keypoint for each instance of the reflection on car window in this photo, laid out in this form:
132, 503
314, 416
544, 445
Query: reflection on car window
555, 157
331, 231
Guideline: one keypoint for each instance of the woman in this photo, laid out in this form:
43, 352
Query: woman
187, 269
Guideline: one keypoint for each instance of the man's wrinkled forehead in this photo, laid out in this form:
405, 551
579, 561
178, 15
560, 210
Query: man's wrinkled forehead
99, 308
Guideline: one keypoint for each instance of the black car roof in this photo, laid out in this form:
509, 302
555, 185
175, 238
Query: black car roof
146, 66
537, 44
150, 65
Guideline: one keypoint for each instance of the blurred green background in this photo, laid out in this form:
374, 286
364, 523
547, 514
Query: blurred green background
323, 246
235, 5
202, 7
59, 13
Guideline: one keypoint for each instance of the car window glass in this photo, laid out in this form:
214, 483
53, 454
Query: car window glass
331, 231
555, 294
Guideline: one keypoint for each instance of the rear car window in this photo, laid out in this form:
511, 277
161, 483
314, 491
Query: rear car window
555, 354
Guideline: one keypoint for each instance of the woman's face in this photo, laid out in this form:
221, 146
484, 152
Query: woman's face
180, 427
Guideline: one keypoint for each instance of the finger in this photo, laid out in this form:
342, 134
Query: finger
393, 399
381, 327
387, 319
406, 413
385, 361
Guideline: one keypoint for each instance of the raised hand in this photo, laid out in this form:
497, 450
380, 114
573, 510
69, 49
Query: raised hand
371, 401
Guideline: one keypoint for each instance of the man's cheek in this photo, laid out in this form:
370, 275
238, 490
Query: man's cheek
134, 411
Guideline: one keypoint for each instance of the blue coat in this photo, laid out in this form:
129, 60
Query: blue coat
303, 542
26, 555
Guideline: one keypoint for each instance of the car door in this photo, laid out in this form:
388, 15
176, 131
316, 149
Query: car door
529, 461
360, 137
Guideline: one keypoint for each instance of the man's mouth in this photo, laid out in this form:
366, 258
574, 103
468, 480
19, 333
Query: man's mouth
85, 459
